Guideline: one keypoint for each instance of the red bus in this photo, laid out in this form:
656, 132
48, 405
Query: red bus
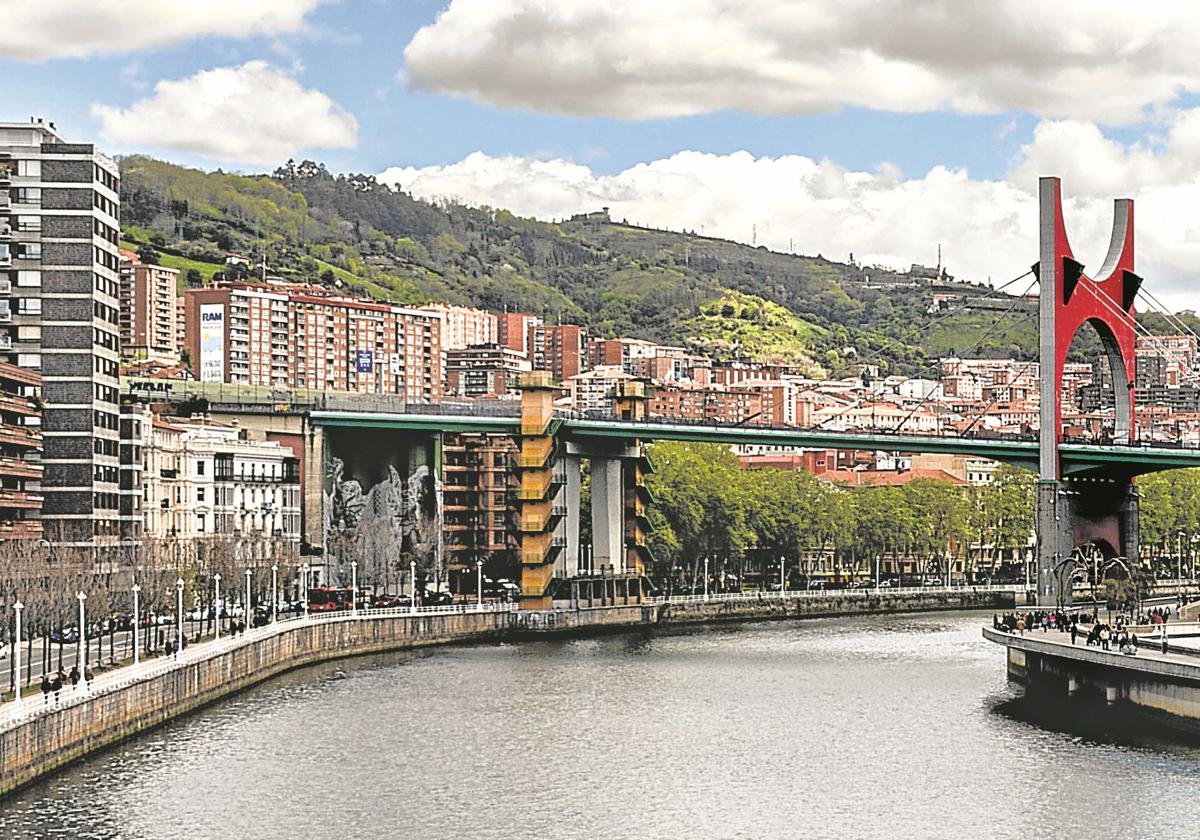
329, 598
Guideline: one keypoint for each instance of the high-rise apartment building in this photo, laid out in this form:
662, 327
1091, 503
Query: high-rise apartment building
148, 311
512, 330
560, 349
463, 326
298, 337
486, 370
59, 228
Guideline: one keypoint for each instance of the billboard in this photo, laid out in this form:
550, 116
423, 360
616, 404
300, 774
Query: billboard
364, 361
212, 342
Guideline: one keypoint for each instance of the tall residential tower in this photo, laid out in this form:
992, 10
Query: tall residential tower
59, 217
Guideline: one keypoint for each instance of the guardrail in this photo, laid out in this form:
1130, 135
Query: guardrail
33, 704
819, 594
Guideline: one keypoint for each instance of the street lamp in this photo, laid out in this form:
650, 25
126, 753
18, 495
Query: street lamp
274, 591
17, 607
1179, 555
246, 616
782, 579
479, 581
135, 589
304, 590
412, 576
178, 616
354, 587
217, 600
706, 578
79, 663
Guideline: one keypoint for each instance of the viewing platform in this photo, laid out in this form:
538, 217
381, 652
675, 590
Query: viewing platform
1163, 685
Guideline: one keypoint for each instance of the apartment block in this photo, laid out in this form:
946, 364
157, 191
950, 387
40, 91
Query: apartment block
479, 488
238, 332
205, 479
486, 370
149, 311
560, 349
512, 330
59, 315
20, 453
463, 326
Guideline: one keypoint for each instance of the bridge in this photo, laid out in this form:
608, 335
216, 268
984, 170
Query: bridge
1085, 490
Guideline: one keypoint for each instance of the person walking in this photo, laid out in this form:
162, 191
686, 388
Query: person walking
45, 690
57, 686
74, 679
1105, 635
88, 676
1074, 631
1164, 640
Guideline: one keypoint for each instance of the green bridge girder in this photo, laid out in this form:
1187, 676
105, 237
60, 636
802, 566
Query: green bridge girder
1077, 459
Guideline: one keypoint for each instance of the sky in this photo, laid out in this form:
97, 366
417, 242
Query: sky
881, 128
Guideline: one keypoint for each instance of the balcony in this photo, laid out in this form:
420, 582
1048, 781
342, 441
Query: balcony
20, 436
20, 500
16, 468
18, 405
168, 472
21, 529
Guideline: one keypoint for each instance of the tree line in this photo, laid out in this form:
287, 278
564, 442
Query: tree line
45, 578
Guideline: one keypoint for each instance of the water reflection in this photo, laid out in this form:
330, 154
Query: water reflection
868, 727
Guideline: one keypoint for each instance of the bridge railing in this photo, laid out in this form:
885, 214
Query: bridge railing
827, 594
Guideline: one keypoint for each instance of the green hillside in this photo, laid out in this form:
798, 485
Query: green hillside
353, 233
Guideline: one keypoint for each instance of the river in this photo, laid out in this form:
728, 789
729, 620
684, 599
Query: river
873, 727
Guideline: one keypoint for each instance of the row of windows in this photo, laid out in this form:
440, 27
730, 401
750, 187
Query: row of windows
108, 234
105, 393
104, 420
105, 205
106, 178
104, 258
107, 367
106, 313
107, 340
103, 446
107, 287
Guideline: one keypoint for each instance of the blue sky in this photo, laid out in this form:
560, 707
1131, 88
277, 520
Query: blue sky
874, 126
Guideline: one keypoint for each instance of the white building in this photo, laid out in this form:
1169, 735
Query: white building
202, 478
592, 391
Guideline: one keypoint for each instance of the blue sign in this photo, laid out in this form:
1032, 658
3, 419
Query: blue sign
365, 360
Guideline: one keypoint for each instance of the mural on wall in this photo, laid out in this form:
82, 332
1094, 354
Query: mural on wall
381, 506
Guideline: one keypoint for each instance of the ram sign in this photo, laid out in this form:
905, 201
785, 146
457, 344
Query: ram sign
212, 342
365, 361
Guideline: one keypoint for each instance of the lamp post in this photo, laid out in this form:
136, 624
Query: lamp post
705, 578
79, 663
412, 576
178, 616
479, 582
304, 589
1179, 556
246, 614
354, 587
217, 600
782, 579
17, 607
137, 653
274, 591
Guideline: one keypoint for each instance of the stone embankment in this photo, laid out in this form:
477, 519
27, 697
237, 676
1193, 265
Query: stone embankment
35, 738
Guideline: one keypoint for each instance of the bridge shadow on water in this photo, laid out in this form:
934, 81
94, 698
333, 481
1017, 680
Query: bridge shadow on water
1087, 717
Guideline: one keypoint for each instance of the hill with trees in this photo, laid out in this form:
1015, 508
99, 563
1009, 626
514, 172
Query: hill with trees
730, 300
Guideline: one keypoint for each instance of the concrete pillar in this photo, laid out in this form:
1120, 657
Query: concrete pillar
608, 513
1072, 685
568, 526
1112, 693
312, 496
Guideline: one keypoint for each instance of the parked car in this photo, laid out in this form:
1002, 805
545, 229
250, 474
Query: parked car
386, 601
66, 635
863, 584
436, 599
818, 584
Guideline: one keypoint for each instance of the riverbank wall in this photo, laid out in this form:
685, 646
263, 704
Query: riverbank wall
123, 705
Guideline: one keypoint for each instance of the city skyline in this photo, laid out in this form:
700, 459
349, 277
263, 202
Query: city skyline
875, 132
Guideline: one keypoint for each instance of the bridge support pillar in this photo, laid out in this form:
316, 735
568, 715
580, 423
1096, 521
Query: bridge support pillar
1098, 511
607, 513
568, 525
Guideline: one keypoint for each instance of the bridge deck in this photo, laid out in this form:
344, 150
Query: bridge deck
1148, 661
1077, 458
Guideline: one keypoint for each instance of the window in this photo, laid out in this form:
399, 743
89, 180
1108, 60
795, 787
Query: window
29, 360
29, 168
199, 468
29, 195
31, 279
29, 224
199, 494
29, 333
31, 251
29, 306
200, 522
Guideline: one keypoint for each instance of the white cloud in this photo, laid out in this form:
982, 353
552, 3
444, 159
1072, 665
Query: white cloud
986, 227
253, 114
35, 30
632, 59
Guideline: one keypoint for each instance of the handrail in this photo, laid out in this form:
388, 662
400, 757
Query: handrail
32, 705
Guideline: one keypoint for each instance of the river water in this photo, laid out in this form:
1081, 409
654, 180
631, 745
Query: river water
879, 727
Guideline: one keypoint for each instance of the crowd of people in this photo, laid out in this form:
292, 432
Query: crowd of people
1119, 635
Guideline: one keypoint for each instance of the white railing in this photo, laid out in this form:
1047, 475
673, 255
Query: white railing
826, 594
34, 703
